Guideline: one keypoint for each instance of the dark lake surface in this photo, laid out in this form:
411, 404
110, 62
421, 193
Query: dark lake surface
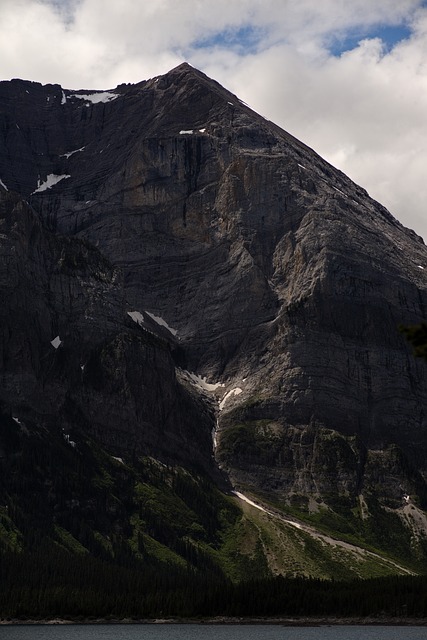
208, 632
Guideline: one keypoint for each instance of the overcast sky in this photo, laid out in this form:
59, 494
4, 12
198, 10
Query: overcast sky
347, 77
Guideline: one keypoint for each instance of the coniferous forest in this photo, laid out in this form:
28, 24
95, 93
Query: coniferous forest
48, 585
84, 536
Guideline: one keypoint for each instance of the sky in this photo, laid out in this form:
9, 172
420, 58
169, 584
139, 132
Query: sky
346, 77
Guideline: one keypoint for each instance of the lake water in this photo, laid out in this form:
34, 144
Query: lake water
208, 632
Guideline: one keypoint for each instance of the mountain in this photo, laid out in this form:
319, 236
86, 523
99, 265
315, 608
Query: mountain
196, 303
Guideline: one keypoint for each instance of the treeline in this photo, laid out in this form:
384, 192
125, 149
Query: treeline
57, 584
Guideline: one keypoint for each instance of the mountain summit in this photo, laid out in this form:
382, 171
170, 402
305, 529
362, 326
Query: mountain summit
184, 282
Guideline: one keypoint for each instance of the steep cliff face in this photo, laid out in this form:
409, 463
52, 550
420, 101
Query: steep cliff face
75, 357
265, 270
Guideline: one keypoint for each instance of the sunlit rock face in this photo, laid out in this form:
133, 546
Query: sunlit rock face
264, 269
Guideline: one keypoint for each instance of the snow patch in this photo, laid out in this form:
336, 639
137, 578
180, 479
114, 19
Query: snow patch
118, 459
50, 181
64, 98
186, 132
56, 342
139, 319
202, 130
249, 501
94, 98
162, 323
419, 266
202, 383
16, 420
2, 184
236, 392
232, 104
68, 439
70, 153
136, 317
302, 166
270, 513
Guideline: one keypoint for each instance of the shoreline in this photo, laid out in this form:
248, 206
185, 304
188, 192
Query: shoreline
224, 620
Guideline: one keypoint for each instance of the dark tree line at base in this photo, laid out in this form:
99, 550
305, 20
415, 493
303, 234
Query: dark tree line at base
57, 584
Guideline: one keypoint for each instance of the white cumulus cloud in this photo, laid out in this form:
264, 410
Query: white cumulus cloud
327, 71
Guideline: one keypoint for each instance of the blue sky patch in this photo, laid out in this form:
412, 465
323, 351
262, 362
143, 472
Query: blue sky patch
244, 39
389, 34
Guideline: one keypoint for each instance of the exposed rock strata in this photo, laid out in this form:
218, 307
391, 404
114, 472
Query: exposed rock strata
73, 359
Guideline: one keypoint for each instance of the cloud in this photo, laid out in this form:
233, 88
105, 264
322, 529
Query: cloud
99, 36
363, 108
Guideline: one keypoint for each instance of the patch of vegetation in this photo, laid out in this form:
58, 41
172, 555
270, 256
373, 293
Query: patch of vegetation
293, 552
335, 452
105, 543
161, 552
69, 542
382, 533
86, 502
78, 255
251, 442
241, 554
11, 538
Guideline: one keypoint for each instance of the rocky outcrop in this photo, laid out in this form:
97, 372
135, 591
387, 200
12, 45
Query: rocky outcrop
277, 276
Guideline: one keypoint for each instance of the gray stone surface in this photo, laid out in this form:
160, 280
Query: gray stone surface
71, 357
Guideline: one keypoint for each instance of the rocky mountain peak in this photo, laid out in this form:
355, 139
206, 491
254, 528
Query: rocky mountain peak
210, 272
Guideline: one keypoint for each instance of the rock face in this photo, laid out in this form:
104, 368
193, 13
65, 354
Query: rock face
264, 269
74, 358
